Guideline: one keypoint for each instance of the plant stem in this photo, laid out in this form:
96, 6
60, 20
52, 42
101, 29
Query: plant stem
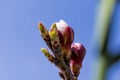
103, 65
105, 13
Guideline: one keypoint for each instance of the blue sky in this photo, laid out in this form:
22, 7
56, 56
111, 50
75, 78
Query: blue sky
20, 41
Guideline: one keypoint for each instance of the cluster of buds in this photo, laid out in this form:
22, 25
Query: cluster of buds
67, 56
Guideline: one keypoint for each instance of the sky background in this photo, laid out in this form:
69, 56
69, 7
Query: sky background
20, 41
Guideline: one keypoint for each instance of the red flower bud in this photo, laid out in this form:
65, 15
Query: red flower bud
66, 36
78, 52
66, 33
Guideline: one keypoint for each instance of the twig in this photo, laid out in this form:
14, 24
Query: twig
52, 40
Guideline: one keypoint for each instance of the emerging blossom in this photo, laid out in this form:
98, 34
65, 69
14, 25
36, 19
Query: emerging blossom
66, 36
77, 55
65, 32
66, 56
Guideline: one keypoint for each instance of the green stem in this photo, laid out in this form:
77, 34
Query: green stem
105, 13
103, 65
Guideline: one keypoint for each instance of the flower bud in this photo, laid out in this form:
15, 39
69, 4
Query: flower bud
65, 32
66, 36
78, 52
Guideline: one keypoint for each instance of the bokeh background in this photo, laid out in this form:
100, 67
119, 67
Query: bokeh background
20, 41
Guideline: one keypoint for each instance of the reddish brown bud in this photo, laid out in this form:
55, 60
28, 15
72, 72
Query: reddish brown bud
66, 33
66, 36
78, 52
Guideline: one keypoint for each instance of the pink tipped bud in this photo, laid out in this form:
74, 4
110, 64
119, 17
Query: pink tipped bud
77, 55
66, 36
66, 33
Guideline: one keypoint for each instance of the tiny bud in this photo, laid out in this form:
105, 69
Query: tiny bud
47, 54
42, 29
53, 32
45, 35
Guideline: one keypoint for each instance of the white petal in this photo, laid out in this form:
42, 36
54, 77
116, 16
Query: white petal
78, 44
61, 25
